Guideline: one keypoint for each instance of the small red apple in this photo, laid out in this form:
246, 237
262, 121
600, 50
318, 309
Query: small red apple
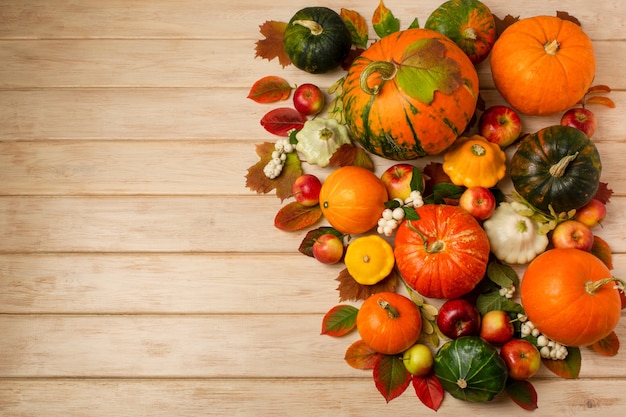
308, 99
582, 119
397, 179
500, 124
458, 317
572, 234
328, 249
478, 201
496, 327
522, 358
591, 213
306, 190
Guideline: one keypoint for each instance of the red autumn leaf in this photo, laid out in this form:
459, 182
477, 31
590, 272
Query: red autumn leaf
569, 367
306, 246
256, 180
357, 25
566, 16
283, 120
602, 251
348, 154
502, 24
270, 89
523, 393
272, 46
429, 390
604, 193
339, 321
294, 216
391, 377
360, 356
352, 55
609, 346
350, 290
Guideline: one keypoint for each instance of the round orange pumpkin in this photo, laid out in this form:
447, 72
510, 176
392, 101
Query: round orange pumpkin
570, 296
444, 254
389, 322
410, 95
543, 65
352, 199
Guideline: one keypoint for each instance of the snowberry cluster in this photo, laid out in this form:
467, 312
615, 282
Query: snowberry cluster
548, 348
275, 166
391, 218
507, 292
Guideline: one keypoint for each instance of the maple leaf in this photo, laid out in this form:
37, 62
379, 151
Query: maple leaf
348, 154
567, 16
502, 24
604, 193
350, 290
256, 180
273, 46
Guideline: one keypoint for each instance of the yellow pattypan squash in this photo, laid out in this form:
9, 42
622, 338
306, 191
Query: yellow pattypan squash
474, 162
369, 259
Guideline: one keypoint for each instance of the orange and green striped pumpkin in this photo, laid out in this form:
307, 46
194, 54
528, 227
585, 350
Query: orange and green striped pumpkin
380, 104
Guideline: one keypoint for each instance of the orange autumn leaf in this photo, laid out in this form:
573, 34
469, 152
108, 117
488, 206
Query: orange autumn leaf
270, 89
357, 25
602, 251
360, 356
609, 346
256, 180
348, 154
272, 46
295, 216
350, 290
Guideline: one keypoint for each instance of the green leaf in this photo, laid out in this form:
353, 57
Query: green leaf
417, 180
410, 213
384, 21
523, 393
569, 367
306, 246
340, 320
494, 301
502, 274
391, 377
444, 190
425, 69
414, 24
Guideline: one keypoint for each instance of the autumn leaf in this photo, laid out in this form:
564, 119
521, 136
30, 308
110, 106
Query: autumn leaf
566, 16
434, 175
349, 154
604, 193
283, 120
306, 246
384, 21
391, 377
429, 390
523, 393
608, 346
604, 101
360, 356
350, 290
357, 25
295, 216
270, 89
349, 59
502, 24
602, 251
256, 180
339, 321
273, 46
569, 367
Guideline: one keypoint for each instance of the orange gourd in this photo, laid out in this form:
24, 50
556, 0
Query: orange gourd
570, 296
543, 65
352, 199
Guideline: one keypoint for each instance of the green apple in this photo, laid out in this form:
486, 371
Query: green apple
418, 359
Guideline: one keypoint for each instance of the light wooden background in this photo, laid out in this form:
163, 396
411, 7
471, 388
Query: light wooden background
140, 277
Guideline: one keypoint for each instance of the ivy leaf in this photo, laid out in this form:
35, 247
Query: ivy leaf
502, 274
502, 24
350, 290
272, 46
384, 21
306, 246
294, 216
360, 356
602, 251
349, 154
283, 120
429, 390
569, 367
339, 321
609, 346
424, 69
357, 25
270, 89
523, 393
391, 377
256, 180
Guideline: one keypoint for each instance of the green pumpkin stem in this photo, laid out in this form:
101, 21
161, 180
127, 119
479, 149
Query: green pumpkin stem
436, 247
591, 287
557, 170
312, 25
392, 312
386, 70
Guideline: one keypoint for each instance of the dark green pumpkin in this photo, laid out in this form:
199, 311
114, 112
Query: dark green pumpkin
558, 166
470, 369
317, 40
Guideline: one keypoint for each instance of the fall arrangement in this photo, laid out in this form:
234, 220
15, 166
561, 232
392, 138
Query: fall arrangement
490, 197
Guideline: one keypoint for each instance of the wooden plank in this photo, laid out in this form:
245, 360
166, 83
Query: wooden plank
321, 397
191, 346
170, 224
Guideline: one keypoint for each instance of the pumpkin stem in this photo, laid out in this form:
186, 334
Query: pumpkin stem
470, 33
392, 312
436, 247
478, 150
552, 47
312, 25
592, 286
557, 170
461, 383
386, 71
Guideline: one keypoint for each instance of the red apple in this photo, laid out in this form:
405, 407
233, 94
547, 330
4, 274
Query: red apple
572, 234
591, 213
418, 360
522, 358
478, 201
458, 317
397, 180
582, 119
496, 327
328, 249
308, 99
500, 124
306, 190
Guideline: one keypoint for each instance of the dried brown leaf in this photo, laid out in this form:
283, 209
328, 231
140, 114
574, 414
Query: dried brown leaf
350, 290
272, 46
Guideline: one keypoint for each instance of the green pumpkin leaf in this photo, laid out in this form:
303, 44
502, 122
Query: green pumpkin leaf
384, 22
569, 367
391, 377
425, 69
502, 274
357, 25
339, 321
523, 393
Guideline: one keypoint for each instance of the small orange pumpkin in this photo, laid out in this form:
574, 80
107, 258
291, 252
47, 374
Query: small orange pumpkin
352, 199
570, 296
543, 65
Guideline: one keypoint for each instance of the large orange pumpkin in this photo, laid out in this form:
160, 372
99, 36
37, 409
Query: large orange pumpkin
389, 323
444, 254
569, 296
410, 95
543, 65
352, 199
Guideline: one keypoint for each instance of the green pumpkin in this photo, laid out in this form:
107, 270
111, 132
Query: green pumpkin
317, 40
470, 369
558, 166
